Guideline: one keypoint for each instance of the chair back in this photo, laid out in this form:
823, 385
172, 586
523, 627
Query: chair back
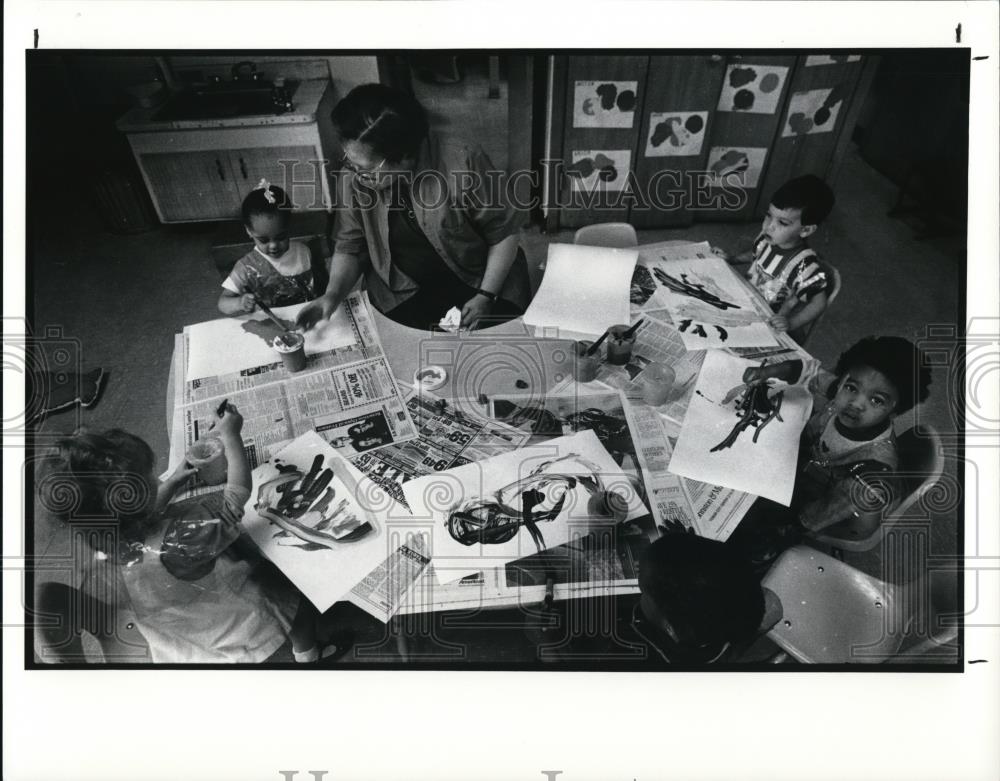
618, 235
832, 613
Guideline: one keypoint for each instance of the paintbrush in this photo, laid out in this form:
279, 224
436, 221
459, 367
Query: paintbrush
267, 311
631, 331
593, 348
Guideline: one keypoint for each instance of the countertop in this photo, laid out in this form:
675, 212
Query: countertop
306, 100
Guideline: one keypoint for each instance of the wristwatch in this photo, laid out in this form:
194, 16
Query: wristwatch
494, 297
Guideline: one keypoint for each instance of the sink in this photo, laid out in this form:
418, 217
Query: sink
224, 102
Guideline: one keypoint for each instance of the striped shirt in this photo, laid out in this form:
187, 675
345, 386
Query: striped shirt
780, 274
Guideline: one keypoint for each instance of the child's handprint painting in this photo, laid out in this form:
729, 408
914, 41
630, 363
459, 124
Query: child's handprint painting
752, 89
604, 103
599, 170
317, 518
676, 133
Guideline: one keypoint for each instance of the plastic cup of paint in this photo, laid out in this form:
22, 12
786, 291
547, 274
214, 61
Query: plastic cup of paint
657, 382
291, 346
208, 456
619, 345
585, 366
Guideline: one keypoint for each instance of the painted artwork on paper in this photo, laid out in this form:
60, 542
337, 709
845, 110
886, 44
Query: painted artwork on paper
752, 89
831, 59
739, 434
591, 171
676, 133
317, 518
604, 103
814, 111
518, 504
737, 165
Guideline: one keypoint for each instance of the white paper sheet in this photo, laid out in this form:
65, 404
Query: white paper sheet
765, 467
231, 344
585, 289
330, 541
569, 475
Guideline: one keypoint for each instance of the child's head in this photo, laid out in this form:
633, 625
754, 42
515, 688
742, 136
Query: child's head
267, 216
100, 475
796, 210
879, 378
699, 592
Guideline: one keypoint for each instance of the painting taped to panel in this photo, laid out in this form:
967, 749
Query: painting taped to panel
604, 103
737, 165
591, 171
753, 89
814, 111
831, 59
676, 133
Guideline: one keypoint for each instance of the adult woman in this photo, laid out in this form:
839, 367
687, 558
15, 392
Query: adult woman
422, 220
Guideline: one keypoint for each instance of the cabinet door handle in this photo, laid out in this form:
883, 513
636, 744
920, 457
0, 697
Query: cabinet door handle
243, 168
221, 171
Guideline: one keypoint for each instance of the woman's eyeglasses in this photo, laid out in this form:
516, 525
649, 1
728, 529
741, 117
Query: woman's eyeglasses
365, 176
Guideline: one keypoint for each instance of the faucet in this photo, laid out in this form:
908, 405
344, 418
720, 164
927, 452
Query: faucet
245, 71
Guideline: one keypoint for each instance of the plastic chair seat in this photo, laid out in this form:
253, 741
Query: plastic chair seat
831, 612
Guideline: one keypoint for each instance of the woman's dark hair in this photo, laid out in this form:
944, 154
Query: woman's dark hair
895, 357
94, 475
391, 122
266, 199
707, 592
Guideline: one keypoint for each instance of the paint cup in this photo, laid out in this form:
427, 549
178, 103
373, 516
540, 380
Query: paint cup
585, 366
619, 346
208, 456
292, 348
657, 382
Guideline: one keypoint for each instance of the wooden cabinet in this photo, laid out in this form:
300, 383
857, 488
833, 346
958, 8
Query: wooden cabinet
190, 186
203, 173
699, 136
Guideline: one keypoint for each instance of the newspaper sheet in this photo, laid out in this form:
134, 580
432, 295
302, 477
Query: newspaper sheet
348, 395
384, 590
449, 434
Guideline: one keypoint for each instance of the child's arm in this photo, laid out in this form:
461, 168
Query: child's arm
236, 304
863, 497
190, 547
166, 490
737, 259
236, 457
793, 314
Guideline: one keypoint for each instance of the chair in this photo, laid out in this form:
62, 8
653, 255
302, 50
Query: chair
618, 235
832, 291
920, 467
832, 613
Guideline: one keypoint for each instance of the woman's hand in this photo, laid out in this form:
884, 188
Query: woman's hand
320, 309
720, 252
475, 308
